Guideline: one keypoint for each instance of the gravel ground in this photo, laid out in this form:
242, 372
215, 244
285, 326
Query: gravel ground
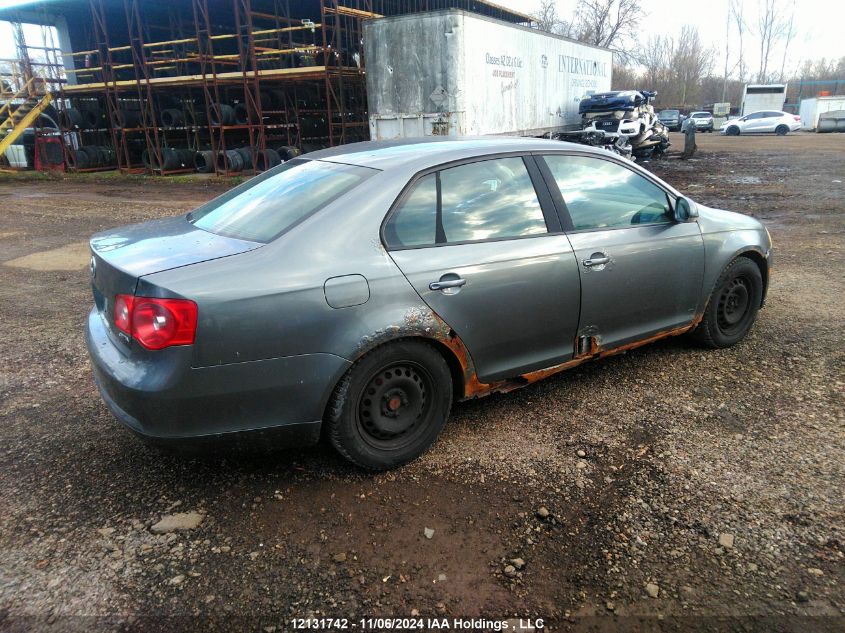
670, 488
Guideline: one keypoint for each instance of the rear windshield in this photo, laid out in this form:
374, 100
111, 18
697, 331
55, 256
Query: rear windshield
263, 208
700, 115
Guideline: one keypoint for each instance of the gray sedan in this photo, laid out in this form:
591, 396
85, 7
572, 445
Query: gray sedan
361, 290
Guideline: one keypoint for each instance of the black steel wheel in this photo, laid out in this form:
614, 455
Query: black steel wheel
732, 130
782, 130
391, 405
733, 305
394, 404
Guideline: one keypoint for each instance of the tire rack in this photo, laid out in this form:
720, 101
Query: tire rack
293, 85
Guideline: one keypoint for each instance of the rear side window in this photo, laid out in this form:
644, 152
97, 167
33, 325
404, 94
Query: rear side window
265, 207
414, 222
485, 200
600, 194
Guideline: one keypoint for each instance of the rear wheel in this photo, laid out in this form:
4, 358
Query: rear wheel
733, 306
391, 405
782, 130
732, 131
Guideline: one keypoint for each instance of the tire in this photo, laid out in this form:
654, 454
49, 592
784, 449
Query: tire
267, 159
241, 114
412, 389
286, 152
71, 118
246, 157
782, 130
732, 131
204, 161
229, 161
221, 114
733, 305
171, 117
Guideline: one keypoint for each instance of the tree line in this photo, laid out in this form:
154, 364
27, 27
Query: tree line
681, 67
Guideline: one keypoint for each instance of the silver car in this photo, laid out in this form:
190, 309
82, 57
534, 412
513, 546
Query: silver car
765, 121
361, 290
703, 121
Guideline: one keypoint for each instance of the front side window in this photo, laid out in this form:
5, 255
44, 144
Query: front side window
264, 207
486, 200
601, 194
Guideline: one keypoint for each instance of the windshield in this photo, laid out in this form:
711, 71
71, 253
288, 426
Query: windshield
700, 115
668, 113
265, 207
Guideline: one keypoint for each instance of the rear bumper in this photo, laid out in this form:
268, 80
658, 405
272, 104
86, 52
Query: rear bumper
169, 399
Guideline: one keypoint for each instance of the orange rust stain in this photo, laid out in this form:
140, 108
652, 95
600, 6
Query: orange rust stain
473, 388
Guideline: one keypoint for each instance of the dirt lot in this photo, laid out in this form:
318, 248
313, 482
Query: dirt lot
686, 489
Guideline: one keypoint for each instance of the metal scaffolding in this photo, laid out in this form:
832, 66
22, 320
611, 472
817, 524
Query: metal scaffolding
229, 86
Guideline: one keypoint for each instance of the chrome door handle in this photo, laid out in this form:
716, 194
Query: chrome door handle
449, 283
596, 261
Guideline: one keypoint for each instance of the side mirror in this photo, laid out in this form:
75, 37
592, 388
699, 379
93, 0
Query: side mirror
684, 211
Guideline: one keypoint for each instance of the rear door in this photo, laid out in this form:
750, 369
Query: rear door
641, 272
771, 121
482, 245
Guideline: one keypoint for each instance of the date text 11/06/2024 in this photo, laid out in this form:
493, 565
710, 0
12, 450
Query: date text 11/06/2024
418, 623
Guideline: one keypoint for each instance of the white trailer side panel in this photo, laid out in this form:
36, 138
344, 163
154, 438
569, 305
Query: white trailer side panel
455, 73
756, 98
811, 109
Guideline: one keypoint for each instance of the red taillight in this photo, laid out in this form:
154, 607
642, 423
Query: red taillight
797, 118
156, 323
123, 313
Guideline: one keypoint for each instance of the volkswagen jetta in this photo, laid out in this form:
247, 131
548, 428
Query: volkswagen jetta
362, 289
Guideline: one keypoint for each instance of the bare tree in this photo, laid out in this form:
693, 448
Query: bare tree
608, 23
547, 19
771, 27
656, 58
789, 32
691, 61
736, 11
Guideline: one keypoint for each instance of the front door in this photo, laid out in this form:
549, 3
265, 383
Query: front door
641, 272
475, 242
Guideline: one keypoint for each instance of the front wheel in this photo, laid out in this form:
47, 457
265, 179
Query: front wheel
732, 131
781, 130
733, 306
391, 405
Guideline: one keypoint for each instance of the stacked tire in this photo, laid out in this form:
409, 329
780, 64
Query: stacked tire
229, 161
172, 159
92, 157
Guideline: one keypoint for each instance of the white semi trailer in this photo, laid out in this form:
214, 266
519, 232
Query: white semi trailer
455, 73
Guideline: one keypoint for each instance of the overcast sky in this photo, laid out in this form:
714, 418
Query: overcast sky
819, 24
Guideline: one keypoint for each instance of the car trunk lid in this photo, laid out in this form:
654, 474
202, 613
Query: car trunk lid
121, 256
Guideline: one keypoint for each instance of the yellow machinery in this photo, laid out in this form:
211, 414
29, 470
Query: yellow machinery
21, 110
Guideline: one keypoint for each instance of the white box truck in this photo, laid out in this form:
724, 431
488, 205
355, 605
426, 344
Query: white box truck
757, 97
451, 72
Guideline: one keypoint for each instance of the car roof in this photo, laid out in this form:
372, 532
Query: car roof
422, 153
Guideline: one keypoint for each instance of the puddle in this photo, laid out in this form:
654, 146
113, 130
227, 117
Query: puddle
68, 257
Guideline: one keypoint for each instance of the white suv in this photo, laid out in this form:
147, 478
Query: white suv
780, 123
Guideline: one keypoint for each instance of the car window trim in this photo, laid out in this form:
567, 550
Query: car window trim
436, 169
566, 217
